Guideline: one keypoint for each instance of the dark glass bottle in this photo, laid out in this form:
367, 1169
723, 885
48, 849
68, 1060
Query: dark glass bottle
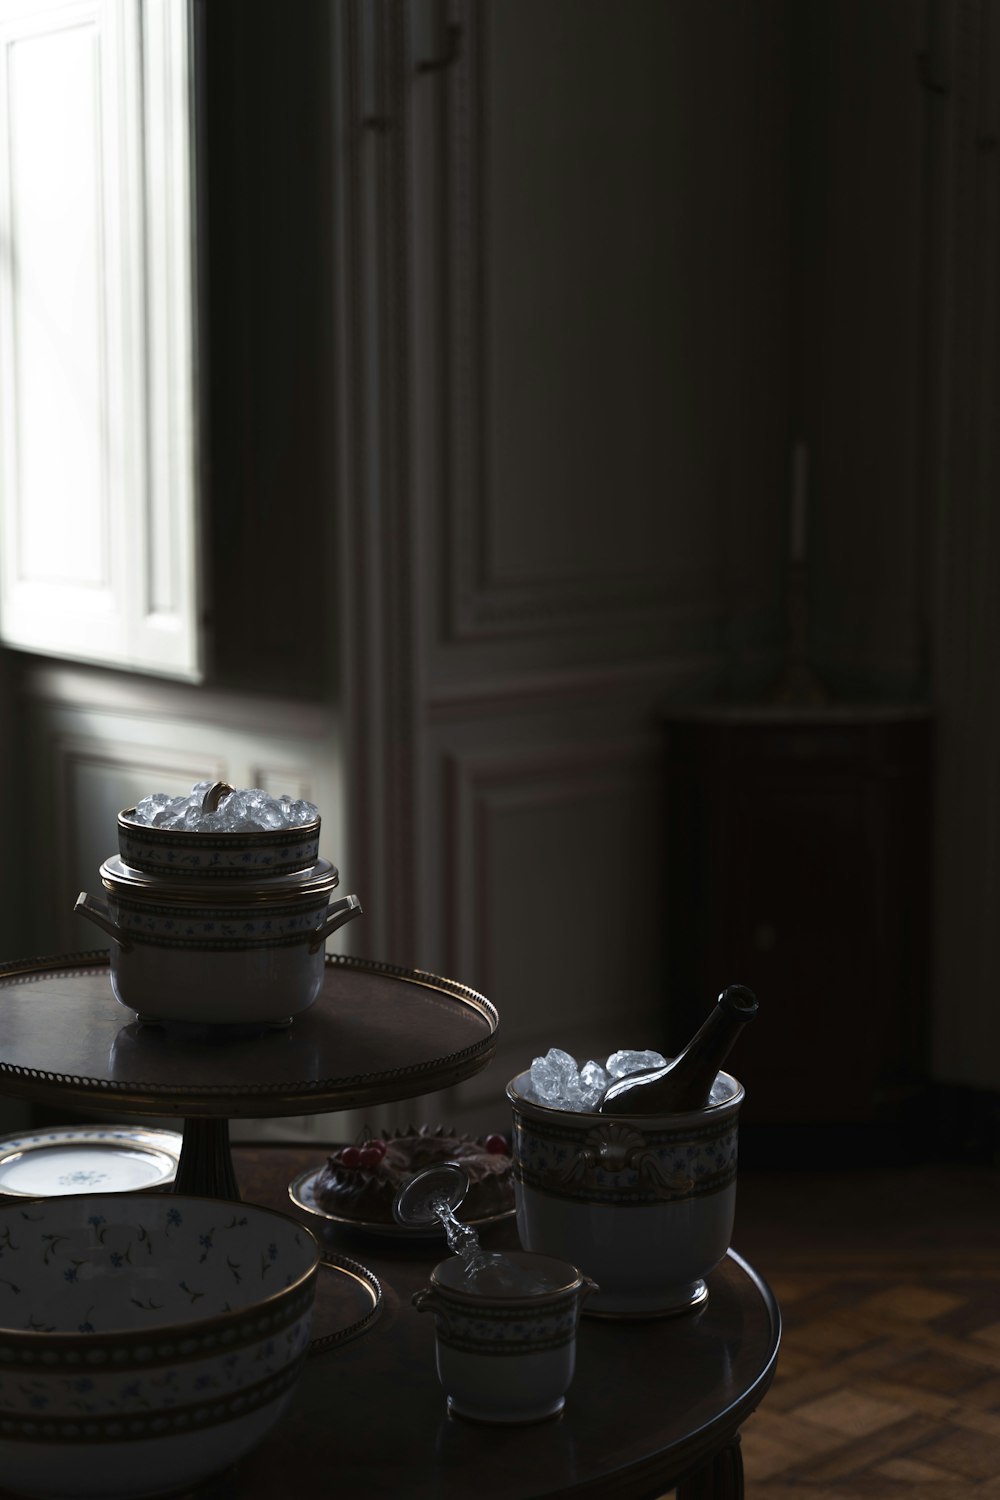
686, 1081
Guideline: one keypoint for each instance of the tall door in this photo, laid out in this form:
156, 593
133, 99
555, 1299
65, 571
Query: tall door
544, 333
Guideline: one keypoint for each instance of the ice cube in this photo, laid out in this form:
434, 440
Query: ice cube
191, 816
720, 1090
247, 810
297, 812
270, 814
554, 1078
238, 822
211, 822
593, 1081
621, 1063
147, 809
592, 1075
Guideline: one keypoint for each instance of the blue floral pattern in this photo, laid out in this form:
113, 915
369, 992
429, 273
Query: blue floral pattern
102, 1350
491, 1328
163, 924
154, 1305
219, 856
581, 1157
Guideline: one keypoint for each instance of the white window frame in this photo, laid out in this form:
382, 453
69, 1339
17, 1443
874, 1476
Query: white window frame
99, 557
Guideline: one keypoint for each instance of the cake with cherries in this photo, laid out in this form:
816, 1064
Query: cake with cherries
361, 1181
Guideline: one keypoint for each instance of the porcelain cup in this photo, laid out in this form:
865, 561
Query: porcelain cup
644, 1204
506, 1356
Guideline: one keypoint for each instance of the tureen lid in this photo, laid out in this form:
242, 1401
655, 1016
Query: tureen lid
315, 880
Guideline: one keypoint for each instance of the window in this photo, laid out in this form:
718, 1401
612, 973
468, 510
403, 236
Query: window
98, 412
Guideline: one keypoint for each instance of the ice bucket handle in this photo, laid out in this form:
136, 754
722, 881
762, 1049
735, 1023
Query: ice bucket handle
214, 795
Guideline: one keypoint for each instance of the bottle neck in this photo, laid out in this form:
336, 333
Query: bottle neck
713, 1041
686, 1082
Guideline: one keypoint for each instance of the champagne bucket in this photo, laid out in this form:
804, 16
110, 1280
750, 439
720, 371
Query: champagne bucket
643, 1204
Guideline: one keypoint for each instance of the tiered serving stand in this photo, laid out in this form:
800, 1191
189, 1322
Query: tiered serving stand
376, 1033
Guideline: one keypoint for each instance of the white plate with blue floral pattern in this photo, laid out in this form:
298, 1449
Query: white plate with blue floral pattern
87, 1159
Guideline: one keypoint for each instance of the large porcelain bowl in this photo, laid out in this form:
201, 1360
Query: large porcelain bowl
643, 1204
146, 1341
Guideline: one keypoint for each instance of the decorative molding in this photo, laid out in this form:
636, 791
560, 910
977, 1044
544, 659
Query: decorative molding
479, 784
659, 680
377, 647
553, 967
481, 603
135, 697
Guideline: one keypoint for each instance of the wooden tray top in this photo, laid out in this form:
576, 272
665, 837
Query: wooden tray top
376, 1033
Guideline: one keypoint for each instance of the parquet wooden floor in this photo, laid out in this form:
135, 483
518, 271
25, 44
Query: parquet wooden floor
888, 1383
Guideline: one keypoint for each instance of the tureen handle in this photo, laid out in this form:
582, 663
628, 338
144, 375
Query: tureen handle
337, 915
97, 912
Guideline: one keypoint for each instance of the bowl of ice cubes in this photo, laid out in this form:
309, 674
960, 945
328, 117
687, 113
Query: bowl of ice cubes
219, 832
216, 915
643, 1204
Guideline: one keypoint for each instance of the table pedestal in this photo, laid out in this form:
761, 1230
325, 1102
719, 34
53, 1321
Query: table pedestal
720, 1478
206, 1164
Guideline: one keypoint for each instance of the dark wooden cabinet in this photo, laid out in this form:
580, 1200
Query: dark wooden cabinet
798, 850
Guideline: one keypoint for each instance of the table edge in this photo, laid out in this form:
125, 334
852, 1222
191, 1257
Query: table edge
660, 1473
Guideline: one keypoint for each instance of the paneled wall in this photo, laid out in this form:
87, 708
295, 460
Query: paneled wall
859, 196
724, 231
896, 209
576, 389
962, 474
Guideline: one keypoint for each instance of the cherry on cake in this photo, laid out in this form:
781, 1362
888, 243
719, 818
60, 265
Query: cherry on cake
361, 1181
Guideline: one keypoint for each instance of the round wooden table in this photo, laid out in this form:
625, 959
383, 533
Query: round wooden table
376, 1033
654, 1403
